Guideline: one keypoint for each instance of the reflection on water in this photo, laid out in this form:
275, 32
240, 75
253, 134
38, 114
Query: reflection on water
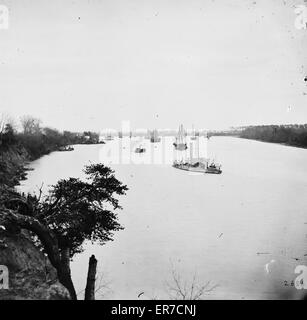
244, 230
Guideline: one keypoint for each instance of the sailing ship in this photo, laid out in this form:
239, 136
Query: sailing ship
194, 135
120, 134
198, 164
154, 136
180, 140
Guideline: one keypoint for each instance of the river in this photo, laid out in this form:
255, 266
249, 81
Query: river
244, 230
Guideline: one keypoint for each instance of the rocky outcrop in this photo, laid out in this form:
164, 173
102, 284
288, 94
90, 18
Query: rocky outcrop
31, 276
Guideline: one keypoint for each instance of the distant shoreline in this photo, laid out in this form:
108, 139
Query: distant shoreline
280, 143
259, 140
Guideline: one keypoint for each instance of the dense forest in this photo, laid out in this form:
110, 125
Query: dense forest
294, 135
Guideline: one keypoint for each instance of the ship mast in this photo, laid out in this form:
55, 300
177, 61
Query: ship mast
206, 149
197, 146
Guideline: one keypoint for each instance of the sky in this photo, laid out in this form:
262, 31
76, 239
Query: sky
91, 64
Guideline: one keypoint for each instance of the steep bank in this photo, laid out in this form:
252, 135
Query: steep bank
31, 276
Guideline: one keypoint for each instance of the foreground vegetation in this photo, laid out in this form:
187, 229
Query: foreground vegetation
74, 211
35, 140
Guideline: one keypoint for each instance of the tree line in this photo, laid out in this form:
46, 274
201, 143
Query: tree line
294, 135
291, 134
37, 140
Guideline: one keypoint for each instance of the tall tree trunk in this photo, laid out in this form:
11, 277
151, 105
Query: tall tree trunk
91, 278
65, 279
47, 239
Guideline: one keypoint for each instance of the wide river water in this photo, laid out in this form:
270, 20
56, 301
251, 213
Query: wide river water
244, 230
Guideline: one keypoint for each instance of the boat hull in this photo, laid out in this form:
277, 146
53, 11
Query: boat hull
214, 172
140, 150
180, 146
198, 169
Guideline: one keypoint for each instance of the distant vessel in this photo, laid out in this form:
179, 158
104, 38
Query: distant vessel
66, 148
198, 164
109, 137
214, 168
140, 149
120, 134
180, 140
154, 136
194, 135
202, 167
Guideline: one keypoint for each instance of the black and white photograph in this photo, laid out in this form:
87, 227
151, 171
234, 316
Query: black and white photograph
153, 150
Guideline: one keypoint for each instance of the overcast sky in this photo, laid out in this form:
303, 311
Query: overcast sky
89, 64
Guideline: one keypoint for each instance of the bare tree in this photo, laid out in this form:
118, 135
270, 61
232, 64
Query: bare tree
2, 123
102, 286
179, 289
30, 125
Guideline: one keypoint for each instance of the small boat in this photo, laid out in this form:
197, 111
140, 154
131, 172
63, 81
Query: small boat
66, 148
154, 136
140, 150
153, 140
187, 166
214, 168
180, 146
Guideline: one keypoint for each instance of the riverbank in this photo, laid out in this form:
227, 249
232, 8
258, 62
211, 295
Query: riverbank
290, 135
273, 142
294, 135
31, 278
254, 139
33, 142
